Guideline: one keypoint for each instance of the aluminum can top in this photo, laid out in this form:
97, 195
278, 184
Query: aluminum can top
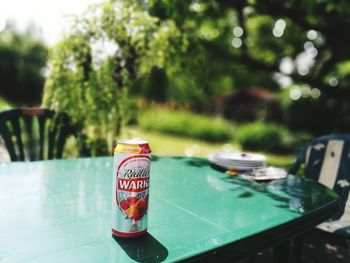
134, 141
133, 146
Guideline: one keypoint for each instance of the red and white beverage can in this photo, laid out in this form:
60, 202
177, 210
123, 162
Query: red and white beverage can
132, 163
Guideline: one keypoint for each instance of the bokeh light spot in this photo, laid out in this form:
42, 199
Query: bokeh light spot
280, 24
279, 27
197, 7
277, 32
315, 93
303, 70
312, 52
295, 93
286, 65
305, 91
333, 82
308, 45
237, 31
236, 42
311, 34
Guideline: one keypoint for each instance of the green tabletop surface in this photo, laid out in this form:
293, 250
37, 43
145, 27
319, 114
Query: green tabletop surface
60, 211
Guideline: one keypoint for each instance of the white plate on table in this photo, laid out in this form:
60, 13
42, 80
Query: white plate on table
239, 157
237, 161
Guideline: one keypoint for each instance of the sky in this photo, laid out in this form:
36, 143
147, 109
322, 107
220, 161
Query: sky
50, 15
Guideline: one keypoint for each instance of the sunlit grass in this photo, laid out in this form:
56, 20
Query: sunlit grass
169, 145
164, 144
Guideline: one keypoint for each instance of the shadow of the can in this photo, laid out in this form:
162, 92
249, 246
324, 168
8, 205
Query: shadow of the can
143, 249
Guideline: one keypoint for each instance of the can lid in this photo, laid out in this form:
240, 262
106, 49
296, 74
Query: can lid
133, 141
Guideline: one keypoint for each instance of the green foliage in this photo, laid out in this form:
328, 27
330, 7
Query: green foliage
4, 105
317, 116
186, 124
259, 136
93, 89
22, 61
187, 51
269, 48
342, 74
312, 35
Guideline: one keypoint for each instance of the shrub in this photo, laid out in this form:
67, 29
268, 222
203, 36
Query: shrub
187, 124
268, 137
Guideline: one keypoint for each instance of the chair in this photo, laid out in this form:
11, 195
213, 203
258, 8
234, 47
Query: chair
327, 160
34, 133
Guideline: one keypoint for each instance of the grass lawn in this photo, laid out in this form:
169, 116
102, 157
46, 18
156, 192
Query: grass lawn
169, 145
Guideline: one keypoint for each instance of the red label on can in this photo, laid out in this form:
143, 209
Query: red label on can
132, 178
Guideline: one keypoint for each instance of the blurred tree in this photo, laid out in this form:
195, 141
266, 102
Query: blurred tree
269, 42
195, 50
22, 62
108, 52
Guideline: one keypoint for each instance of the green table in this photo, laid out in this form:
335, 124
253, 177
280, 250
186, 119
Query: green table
60, 211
